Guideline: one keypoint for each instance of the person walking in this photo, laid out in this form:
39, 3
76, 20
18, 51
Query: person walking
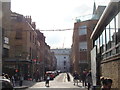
76, 77
13, 80
89, 79
21, 80
47, 80
83, 77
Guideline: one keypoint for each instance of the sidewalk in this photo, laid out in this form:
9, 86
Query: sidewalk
26, 84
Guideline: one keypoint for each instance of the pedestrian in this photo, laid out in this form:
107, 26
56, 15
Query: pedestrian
76, 77
83, 77
47, 80
13, 80
21, 80
89, 79
68, 77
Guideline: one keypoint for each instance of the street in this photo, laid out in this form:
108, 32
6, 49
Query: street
60, 82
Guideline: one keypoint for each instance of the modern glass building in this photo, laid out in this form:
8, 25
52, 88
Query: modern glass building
106, 39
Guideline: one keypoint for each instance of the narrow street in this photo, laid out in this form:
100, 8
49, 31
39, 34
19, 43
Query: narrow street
60, 82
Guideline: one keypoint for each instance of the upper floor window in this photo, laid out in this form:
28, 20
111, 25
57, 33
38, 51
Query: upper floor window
82, 30
83, 46
18, 34
30, 36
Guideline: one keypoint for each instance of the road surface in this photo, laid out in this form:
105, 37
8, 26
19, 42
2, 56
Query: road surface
59, 83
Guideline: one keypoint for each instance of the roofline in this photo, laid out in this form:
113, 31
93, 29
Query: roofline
106, 17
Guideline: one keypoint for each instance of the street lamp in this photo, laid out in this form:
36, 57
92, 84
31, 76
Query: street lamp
19, 64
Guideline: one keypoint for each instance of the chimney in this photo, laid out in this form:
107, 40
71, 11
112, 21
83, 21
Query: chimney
34, 25
28, 18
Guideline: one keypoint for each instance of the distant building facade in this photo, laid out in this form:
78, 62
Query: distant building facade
106, 41
63, 59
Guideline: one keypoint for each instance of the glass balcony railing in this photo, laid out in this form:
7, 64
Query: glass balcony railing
86, 17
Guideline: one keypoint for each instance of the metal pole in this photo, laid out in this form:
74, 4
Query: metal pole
0, 41
0, 37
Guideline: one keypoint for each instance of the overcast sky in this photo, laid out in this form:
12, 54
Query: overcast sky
55, 14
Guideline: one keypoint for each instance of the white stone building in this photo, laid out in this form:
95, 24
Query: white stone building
63, 59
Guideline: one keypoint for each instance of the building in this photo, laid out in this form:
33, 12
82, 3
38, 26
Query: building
23, 45
27, 48
82, 44
6, 14
106, 43
63, 59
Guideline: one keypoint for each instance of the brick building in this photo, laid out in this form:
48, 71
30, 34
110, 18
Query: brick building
82, 44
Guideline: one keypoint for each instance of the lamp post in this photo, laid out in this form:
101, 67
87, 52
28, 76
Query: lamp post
19, 63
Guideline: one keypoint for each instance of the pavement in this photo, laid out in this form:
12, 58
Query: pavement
27, 83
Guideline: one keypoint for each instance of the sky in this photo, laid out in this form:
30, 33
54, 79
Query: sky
55, 14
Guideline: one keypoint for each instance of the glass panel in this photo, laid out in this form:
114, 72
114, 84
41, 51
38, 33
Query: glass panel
103, 41
98, 48
117, 28
108, 37
118, 49
112, 32
95, 42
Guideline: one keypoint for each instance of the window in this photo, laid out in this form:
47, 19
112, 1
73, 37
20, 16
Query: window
117, 28
82, 30
83, 46
18, 34
30, 37
18, 50
104, 40
108, 37
5, 52
98, 45
33, 38
101, 43
112, 32
64, 63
